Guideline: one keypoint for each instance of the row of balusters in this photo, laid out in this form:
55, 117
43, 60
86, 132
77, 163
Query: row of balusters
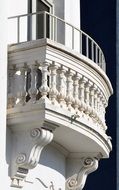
62, 86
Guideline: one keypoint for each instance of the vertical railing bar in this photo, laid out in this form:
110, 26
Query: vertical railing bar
55, 29
96, 60
87, 47
72, 37
18, 29
44, 24
101, 58
65, 28
80, 42
100, 63
92, 50
103, 64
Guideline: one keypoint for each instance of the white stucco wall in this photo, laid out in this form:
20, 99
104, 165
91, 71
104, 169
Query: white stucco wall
49, 172
16, 7
72, 12
51, 168
4, 179
72, 16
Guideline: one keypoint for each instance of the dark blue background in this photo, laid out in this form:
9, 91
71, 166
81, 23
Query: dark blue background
98, 19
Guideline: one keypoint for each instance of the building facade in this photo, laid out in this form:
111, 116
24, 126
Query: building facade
57, 93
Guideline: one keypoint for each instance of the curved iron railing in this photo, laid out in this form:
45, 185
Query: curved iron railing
39, 25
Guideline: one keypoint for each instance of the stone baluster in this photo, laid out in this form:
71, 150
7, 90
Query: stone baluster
96, 98
92, 96
102, 113
76, 92
102, 108
96, 102
87, 97
44, 89
33, 85
61, 86
69, 91
21, 82
53, 90
82, 104
92, 100
11, 95
99, 106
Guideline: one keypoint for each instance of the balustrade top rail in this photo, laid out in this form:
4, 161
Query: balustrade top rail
39, 25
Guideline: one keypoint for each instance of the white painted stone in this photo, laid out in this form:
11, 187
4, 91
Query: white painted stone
73, 90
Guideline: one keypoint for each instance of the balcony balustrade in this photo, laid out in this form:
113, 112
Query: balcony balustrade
39, 25
62, 86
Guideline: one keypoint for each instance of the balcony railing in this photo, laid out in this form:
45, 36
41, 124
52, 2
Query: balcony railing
30, 83
39, 25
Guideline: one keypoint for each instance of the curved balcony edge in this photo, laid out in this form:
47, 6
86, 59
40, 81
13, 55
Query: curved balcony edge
83, 132
15, 48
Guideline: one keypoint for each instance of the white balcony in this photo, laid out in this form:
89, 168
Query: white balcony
61, 87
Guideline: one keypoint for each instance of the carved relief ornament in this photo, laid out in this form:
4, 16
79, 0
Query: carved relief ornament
77, 181
37, 139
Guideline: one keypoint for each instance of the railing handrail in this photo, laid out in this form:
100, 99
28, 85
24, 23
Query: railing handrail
67, 23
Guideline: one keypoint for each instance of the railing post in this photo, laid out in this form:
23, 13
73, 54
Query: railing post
44, 24
92, 50
21, 85
69, 89
87, 96
82, 83
44, 89
92, 101
33, 84
81, 42
87, 47
72, 37
53, 77
18, 29
100, 63
96, 54
61, 86
55, 29
76, 92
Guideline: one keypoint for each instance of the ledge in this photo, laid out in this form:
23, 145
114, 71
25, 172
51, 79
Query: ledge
14, 48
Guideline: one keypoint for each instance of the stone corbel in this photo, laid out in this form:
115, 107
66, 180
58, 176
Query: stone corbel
27, 147
78, 179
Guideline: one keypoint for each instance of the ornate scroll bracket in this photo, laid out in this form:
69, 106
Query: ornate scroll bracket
27, 147
78, 180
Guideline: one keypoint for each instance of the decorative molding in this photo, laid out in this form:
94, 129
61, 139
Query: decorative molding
51, 186
78, 180
27, 147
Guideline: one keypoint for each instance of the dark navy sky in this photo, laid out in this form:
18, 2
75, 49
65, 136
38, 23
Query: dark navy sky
98, 20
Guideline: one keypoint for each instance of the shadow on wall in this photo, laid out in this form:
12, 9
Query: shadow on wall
53, 158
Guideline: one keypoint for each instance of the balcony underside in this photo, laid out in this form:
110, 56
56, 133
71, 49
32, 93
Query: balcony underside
76, 136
